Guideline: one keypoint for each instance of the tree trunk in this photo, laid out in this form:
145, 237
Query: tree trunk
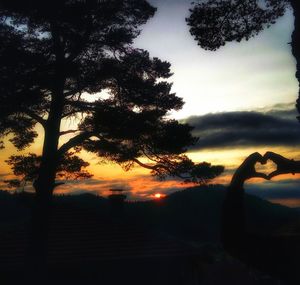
45, 183
296, 45
44, 186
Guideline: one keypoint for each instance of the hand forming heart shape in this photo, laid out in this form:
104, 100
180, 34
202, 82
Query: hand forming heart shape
247, 168
267, 167
284, 165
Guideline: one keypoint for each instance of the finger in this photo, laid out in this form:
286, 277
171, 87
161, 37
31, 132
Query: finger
275, 157
253, 158
274, 173
261, 175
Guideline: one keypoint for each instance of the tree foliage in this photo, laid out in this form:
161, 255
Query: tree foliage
215, 22
26, 167
53, 54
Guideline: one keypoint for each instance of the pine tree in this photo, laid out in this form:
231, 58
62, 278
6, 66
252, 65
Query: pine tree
55, 52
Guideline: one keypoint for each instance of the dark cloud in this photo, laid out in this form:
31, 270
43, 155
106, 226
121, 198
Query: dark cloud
284, 189
102, 184
272, 128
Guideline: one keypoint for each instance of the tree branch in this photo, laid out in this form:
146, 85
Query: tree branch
68, 132
72, 92
147, 166
158, 166
70, 113
36, 117
82, 104
75, 141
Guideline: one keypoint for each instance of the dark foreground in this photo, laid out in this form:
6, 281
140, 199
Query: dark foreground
172, 241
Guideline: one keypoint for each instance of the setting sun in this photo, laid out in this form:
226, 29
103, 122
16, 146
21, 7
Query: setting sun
157, 195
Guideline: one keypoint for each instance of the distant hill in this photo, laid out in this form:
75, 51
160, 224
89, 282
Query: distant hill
193, 214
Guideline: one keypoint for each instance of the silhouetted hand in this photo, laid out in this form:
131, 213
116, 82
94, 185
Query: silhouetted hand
247, 170
284, 165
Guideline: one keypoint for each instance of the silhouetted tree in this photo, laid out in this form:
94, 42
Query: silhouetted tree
215, 22
55, 52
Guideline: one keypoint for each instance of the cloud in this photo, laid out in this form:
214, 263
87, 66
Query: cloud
277, 127
141, 187
283, 192
283, 189
99, 186
4, 175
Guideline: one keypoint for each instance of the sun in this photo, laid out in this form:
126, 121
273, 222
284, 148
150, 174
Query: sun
157, 195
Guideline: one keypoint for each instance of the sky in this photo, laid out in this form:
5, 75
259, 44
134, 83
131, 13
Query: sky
240, 76
240, 99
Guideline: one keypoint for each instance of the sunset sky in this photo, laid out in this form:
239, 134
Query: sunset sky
240, 99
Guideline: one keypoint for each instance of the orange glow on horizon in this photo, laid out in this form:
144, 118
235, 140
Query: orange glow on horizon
289, 202
138, 181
